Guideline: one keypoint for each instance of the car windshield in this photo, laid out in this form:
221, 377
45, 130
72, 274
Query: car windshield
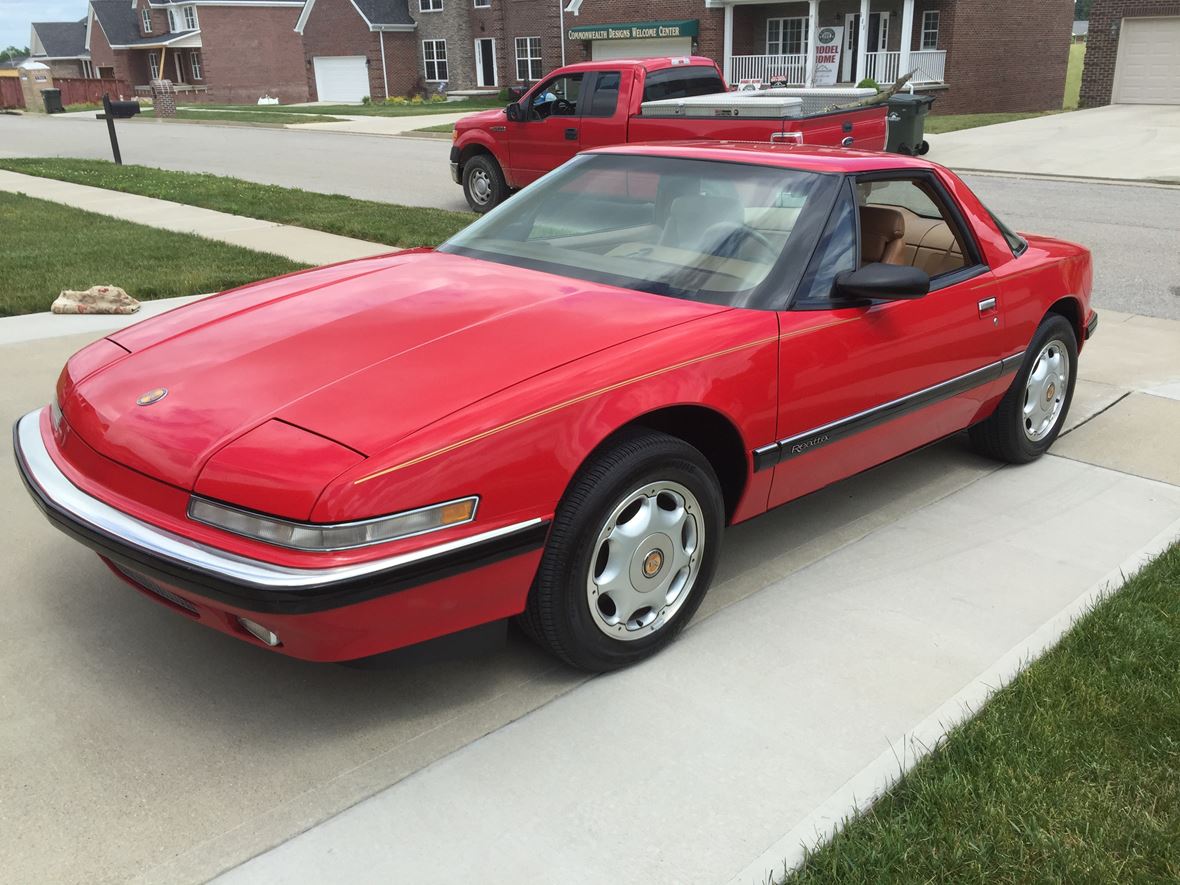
721, 232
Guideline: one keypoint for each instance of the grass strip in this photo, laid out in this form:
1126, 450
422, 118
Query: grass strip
363, 219
49, 247
1069, 774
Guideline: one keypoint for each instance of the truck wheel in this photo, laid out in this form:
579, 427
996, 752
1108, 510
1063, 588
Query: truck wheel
483, 183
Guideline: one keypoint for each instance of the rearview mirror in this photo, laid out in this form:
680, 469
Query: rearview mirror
514, 114
890, 282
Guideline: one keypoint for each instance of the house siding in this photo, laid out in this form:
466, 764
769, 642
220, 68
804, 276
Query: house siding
452, 24
1102, 43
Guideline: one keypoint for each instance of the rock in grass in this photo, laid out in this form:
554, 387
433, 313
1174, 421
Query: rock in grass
96, 299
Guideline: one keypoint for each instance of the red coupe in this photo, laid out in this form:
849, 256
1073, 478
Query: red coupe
555, 414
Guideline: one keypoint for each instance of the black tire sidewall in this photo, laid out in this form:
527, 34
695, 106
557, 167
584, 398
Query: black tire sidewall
499, 189
564, 568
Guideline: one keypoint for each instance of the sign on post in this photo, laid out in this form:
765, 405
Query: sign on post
828, 43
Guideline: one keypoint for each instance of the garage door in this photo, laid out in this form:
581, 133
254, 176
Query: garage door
601, 49
341, 77
1148, 66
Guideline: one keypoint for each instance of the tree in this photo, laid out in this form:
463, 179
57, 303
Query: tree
14, 52
1081, 10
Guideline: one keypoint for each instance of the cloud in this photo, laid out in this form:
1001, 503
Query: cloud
16, 15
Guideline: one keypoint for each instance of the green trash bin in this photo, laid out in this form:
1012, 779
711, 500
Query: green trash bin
52, 100
907, 123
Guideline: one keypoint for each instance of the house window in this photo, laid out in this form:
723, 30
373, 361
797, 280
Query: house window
786, 36
172, 21
430, 5
528, 59
930, 29
194, 59
434, 58
146, 14
482, 4
154, 64
190, 18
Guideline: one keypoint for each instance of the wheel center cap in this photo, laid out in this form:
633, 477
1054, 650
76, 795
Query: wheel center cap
1050, 392
652, 563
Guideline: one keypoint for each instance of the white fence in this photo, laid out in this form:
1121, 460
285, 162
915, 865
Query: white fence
929, 66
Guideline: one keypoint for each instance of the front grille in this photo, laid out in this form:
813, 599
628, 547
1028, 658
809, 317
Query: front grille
151, 586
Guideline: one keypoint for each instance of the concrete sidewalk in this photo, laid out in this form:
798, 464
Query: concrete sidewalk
296, 243
373, 125
1123, 142
783, 709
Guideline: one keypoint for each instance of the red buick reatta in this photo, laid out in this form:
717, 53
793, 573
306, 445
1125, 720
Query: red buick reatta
555, 414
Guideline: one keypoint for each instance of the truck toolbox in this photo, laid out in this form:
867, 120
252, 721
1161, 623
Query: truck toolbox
725, 104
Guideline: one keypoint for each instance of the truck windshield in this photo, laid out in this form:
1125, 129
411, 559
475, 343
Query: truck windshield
720, 232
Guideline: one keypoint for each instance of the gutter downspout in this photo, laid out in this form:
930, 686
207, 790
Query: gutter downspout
384, 72
561, 21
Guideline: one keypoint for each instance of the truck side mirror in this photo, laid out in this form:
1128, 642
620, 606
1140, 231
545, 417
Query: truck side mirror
514, 114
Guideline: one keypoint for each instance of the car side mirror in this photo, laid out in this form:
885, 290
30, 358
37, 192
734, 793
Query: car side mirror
887, 282
514, 113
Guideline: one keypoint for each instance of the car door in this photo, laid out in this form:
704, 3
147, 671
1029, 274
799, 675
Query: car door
604, 116
860, 384
548, 132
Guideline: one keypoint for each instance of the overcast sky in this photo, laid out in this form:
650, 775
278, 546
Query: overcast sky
15, 16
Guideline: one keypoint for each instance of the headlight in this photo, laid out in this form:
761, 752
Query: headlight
335, 536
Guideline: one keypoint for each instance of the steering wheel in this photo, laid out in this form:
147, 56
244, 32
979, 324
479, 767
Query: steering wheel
563, 108
730, 236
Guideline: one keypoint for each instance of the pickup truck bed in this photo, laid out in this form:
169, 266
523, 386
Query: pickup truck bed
597, 104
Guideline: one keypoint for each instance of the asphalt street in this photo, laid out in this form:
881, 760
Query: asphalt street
1133, 230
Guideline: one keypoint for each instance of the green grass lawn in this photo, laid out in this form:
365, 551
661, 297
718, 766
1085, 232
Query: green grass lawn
955, 122
49, 247
378, 109
1073, 75
251, 117
364, 219
1069, 774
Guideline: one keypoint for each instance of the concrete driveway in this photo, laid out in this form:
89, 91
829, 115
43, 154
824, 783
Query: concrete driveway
140, 747
1131, 142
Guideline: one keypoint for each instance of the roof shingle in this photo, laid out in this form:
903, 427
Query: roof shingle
62, 39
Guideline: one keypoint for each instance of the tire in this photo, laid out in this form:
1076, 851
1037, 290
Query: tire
1032, 412
483, 183
619, 517
923, 148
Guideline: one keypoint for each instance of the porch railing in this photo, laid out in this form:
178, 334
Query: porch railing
929, 66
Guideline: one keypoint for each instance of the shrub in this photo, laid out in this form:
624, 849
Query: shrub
366, 100
396, 99
868, 83
504, 97
437, 98
417, 99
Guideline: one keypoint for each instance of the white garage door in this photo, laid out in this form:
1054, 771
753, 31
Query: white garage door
653, 48
1148, 66
341, 77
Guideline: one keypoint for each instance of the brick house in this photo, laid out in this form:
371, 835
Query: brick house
358, 48
62, 46
232, 51
1132, 53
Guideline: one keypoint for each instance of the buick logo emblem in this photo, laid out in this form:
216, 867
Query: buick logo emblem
152, 396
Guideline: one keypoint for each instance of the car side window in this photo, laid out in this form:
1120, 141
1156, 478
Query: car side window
605, 98
905, 221
556, 98
834, 254
681, 82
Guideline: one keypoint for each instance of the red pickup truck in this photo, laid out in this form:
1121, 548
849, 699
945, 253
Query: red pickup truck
599, 103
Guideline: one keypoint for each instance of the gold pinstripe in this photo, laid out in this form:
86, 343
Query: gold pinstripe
548, 410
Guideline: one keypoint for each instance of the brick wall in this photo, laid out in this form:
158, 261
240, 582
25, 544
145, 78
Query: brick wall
336, 28
453, 24
159, 18
1102, 43
1005, 55
601, 12
65, 68
251, 51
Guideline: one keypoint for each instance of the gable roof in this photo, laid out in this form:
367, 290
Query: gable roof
61, 39
379, 15
120, 23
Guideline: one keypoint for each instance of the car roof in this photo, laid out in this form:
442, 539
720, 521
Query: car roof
651, 64
807, 157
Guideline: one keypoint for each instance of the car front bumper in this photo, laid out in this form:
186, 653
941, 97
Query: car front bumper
339, 612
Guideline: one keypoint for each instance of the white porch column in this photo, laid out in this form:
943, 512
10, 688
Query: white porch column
812, 27
907, 36
862, 44
727, 46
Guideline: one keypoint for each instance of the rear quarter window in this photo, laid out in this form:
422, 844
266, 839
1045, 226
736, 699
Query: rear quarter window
681, 82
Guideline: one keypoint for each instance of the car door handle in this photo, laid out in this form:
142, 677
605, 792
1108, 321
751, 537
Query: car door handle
987, 307
571, 134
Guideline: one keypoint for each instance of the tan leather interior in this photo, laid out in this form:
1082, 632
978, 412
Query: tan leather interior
882, 233
930, 245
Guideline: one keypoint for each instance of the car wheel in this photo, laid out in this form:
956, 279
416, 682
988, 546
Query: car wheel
631, 553
483, 183
1032, 412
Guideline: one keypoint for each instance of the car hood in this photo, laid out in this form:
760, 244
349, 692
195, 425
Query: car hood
481, 119
362, 353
